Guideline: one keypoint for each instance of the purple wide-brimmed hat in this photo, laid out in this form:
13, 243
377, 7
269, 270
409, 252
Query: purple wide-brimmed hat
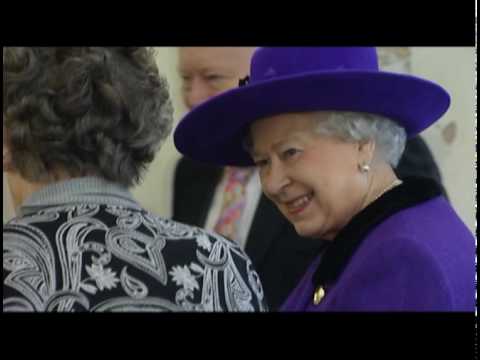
287, 80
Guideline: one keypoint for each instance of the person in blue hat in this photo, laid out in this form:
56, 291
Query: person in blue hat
279, 254
326, 128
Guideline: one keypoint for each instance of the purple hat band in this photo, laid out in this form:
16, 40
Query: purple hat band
286, 80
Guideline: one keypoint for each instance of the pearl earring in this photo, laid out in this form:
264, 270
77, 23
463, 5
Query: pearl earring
364, 167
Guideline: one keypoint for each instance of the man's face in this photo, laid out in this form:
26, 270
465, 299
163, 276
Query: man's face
209, 71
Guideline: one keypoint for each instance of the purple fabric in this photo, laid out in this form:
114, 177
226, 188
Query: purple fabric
287, 80
419, 259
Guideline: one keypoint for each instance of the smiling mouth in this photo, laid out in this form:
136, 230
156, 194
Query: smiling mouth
298, 205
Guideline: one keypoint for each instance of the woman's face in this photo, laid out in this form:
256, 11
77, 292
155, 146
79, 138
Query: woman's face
313, 179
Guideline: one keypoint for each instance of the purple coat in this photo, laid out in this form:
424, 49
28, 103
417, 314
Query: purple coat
407, 251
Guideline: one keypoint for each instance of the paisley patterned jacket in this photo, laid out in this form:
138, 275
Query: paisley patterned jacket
86, 245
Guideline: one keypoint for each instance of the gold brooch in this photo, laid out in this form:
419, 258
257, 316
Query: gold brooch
318, 295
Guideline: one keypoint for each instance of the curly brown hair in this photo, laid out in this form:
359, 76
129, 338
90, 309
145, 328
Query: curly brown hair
84, 111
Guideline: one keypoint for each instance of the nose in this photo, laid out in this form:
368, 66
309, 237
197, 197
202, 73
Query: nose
275, 180
196, 93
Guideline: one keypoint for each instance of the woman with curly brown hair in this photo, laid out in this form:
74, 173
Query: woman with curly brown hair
81, 125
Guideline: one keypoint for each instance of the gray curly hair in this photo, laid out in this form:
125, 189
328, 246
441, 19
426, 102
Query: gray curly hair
84, 110
389, 137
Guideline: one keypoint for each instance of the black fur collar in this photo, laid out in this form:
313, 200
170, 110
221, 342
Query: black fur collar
412, 191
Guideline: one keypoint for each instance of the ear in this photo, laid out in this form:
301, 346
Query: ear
366, 152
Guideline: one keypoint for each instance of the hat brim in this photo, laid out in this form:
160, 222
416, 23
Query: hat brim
214, 131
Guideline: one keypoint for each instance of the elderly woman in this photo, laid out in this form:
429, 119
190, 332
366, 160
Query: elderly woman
80, 127
326, 129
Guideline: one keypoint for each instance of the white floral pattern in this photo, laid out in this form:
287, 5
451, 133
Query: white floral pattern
182, 276
90, 249
203, 242
105, 278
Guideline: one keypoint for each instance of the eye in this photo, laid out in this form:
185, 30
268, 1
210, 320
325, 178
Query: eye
290, 153
186, 77
261, 163
213, 77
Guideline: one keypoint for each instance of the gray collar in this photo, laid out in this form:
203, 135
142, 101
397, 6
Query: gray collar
91, 190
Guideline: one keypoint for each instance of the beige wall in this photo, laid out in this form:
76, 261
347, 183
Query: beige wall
452, 139
155, 193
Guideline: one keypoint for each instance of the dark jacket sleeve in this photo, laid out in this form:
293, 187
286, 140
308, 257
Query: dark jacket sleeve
193, 188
